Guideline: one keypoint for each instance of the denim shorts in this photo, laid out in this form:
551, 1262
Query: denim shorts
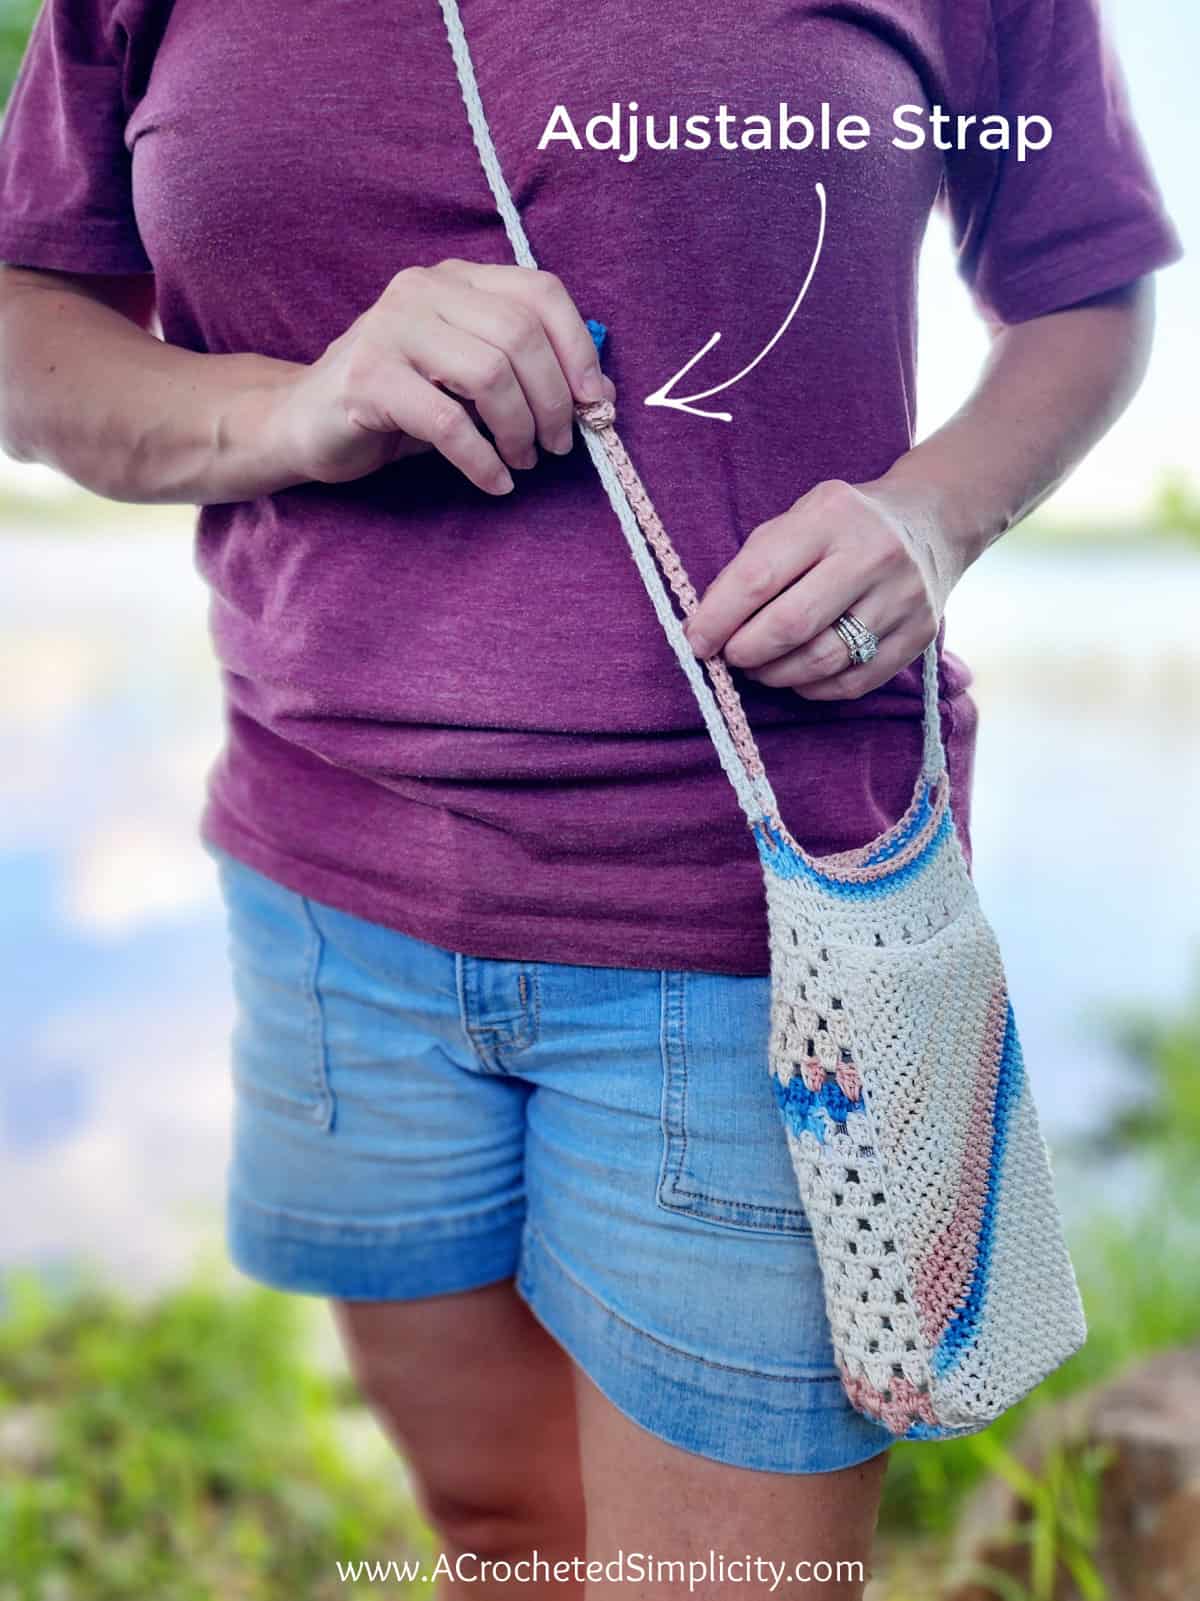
410, 1121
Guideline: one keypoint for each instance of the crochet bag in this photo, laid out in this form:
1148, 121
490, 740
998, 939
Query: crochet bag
893, 1056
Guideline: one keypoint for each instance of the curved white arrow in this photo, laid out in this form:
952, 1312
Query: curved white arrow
664, 397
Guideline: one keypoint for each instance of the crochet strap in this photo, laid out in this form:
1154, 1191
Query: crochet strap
648, 541
600, 417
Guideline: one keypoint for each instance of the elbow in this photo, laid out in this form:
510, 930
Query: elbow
17, 437
10, 441
14, 432
39, 392
19, 429
28, 423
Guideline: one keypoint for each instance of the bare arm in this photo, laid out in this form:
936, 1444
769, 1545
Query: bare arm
892, 550
86, 386
1050, 389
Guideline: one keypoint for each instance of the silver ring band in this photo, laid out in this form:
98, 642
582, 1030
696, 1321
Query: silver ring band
861, 644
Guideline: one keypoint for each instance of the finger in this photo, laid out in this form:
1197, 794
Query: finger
775, 555
482, 373
402, 400
508, 324
896, 652
801, 614
567, 331
827, 653
547, 297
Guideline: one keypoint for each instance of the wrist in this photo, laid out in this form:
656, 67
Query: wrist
943, 515
255, 449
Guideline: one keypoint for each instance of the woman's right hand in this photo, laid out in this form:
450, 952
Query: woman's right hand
507, 340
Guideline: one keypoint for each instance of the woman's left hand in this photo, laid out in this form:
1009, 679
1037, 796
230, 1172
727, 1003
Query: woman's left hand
840, 548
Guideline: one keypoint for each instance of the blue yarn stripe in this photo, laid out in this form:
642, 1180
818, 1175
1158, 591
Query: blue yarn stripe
938, 1431
963, 1328
914, 826
813, 1110
924, 1431
784, 862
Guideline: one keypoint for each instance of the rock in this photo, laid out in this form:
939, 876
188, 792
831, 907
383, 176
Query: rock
1148, 1547
1172, 1550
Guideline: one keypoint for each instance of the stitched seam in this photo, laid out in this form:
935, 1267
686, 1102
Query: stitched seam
674, 1045
535, 975
759, 1208
678, 1350
356, 1225
317, 911
674, 1083
664, 1099
481, 1038
317, 1033
681, 1054
307, 1111
508, 1039
1116, 269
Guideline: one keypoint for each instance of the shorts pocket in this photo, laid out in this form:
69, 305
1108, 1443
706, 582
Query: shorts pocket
725, 1152
279, 1057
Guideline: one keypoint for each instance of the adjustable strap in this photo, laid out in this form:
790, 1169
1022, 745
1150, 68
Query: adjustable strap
718, 699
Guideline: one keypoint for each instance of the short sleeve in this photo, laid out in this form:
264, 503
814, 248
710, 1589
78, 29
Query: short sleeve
1081, 216
65, 174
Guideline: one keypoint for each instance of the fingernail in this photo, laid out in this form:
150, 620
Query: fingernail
504, 483
699, 644
591, 385
528, 460
563, 443
610, 389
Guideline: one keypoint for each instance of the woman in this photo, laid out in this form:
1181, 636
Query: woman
497, 926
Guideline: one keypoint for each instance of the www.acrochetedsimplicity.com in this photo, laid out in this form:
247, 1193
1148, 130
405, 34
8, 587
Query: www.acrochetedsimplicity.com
626, 1567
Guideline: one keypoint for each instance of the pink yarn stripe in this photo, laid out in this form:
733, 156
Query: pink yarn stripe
600, 417
942, 1281
904, 1406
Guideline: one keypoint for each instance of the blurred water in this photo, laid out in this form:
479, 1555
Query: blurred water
114, 1099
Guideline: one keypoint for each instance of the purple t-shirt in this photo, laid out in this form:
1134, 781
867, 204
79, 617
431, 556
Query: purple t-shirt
457, 715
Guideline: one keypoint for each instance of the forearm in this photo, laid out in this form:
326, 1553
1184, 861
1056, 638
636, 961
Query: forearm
1050, 389
894, 548
83, 388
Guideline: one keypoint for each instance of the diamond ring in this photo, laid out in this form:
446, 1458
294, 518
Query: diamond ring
860, 642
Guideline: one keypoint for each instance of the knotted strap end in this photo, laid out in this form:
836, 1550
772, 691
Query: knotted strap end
597, 415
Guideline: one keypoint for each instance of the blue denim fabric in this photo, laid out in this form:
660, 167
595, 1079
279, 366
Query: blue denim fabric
411, 1121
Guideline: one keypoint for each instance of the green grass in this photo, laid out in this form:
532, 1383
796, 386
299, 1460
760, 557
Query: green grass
1172, 518
185, 1450
16, 19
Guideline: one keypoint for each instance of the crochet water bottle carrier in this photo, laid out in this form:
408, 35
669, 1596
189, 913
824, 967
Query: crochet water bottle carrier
893, 1055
